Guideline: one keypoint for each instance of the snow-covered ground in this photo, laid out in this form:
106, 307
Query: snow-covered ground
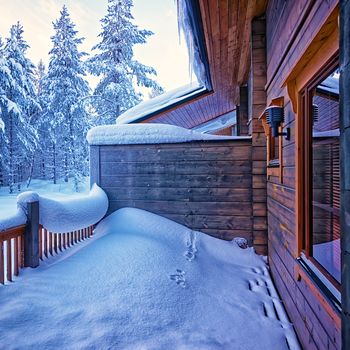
8, 202
145, 282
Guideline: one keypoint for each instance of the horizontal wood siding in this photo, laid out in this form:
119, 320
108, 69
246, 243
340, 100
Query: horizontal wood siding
291, 25
206, 186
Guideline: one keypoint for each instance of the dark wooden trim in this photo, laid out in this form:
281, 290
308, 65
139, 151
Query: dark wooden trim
345, 166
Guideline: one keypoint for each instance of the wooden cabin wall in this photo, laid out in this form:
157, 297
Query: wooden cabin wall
256, 104
206, 186
290, 27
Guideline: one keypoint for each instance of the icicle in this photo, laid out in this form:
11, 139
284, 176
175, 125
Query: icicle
196, 65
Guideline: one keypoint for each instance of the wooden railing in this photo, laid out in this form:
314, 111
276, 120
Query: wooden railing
26, 245
51, 243
11, 252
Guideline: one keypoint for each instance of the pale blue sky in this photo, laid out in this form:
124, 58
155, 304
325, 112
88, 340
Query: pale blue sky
162, 50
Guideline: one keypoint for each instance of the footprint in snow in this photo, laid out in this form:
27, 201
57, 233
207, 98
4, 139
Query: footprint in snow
191, 251
179, 278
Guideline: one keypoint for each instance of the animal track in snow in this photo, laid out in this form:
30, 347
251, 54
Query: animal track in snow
179, 278
191, 251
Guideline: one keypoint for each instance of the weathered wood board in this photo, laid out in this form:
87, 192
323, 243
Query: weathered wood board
207, 186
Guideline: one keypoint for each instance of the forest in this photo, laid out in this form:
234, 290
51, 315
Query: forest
46, 111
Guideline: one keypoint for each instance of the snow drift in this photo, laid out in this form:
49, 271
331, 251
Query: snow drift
147, 134
145, 282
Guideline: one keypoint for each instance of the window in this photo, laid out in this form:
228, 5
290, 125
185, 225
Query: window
321, 233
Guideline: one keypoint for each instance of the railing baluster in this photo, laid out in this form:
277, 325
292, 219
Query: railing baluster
15, 268
45, 242
21, 251
60, 242
50, 243
2, 263
55, 242
40, 243
9, 260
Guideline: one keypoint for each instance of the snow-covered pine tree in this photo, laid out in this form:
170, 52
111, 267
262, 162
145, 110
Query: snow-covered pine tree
66, 120
115, 64
40, 161
5, 78
18, 105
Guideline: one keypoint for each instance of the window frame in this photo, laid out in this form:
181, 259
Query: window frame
305, 163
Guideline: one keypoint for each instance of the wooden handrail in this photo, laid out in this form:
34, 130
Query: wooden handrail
11, 252
12, 247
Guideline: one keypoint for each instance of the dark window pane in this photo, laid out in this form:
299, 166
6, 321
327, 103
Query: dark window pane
326, 176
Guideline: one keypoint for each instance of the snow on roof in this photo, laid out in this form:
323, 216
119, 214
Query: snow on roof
146, 134
156, 104
217, 124
145, 282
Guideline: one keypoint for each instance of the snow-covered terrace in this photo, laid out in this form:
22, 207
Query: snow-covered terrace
145, 282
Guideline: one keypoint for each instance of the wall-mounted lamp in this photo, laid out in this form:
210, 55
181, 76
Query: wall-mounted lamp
314, 113
275, 117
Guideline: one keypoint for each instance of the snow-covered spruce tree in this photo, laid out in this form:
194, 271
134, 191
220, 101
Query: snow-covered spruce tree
40, 161
115, 65
5, 78
18, 105
66, 120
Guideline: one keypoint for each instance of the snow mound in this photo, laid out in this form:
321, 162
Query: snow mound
146, 134
158, 103
145, 282
69, 214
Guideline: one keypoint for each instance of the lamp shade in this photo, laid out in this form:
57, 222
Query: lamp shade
274, 117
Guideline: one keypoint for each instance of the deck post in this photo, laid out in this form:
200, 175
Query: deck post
344, 45
31, 236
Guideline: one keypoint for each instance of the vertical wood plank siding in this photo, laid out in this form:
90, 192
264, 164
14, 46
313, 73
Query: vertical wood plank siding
257, 103
291, 25
206, 186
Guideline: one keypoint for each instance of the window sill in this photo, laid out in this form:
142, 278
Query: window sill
329, 291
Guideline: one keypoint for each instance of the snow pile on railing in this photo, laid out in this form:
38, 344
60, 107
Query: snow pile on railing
61, 215
147, 134
69, 214
16, 219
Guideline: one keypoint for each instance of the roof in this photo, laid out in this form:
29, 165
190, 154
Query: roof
226, 27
